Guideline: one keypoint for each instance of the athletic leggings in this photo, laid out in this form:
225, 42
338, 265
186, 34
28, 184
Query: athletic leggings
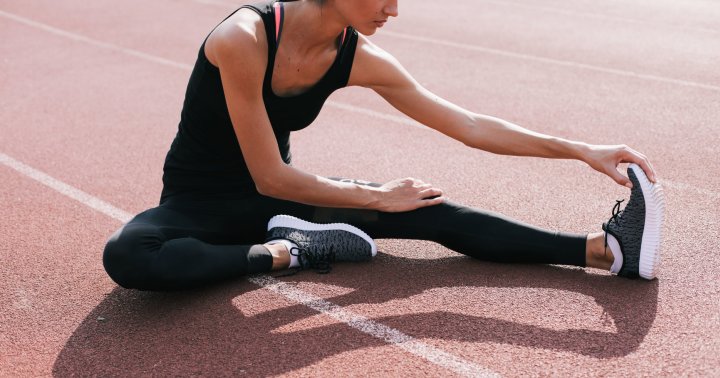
188, 243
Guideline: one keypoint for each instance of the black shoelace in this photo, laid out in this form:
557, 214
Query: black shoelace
616, 212
318, 259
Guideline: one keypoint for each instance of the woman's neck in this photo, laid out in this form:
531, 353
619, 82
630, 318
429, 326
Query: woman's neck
312, 26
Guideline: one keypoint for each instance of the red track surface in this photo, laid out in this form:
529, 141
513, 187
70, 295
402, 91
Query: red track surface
100, 119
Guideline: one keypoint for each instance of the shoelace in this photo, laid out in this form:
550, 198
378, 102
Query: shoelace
616, 212
319, 259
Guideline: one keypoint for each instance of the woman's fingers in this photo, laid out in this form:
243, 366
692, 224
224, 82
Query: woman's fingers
408, 194
649, 171
643, 162
607, 158
619, 177
431, 202
429, 193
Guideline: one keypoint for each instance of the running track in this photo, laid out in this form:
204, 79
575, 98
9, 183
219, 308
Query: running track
91, 94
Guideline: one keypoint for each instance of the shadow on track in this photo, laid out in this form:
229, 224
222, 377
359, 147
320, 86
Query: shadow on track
202, 332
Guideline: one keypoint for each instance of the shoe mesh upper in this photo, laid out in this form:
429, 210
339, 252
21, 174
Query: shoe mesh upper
345, 245
628, 226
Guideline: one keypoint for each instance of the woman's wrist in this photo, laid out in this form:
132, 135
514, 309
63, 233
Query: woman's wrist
581, 151
574, 150
373, 198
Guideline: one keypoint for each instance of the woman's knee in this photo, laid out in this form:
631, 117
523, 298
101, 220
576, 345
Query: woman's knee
127, 251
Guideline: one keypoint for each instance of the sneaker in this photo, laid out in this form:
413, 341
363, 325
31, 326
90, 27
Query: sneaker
638, 227
321, 244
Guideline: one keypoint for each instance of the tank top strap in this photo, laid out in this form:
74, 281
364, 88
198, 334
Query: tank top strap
347, 56
273, 28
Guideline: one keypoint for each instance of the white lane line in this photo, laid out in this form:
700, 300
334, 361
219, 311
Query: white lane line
528, 57
380, 331
568, 12
683, 187
376, 114
94, 42
218, 2
187, 67
559, 62
72, 192
577, 13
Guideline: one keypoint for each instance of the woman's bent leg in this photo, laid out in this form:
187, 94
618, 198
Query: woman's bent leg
164, 250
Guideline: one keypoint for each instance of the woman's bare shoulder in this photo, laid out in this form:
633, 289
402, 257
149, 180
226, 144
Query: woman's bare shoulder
241, 35
372, 64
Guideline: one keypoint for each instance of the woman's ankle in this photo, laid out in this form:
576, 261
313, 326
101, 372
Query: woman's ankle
597, 255
280, 256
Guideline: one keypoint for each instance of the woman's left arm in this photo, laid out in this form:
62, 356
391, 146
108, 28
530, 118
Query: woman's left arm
378, 70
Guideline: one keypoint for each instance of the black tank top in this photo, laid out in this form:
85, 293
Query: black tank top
205, 158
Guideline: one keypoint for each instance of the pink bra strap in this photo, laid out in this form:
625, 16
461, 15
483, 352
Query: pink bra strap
278, 19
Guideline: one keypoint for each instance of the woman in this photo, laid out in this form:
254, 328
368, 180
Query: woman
265, 71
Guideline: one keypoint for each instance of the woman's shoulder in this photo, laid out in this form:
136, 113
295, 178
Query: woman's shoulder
240, 35
371, 63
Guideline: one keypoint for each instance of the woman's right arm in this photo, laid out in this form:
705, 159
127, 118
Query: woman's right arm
239, 48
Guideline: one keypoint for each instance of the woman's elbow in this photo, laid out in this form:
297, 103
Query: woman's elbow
265, 188
270, 186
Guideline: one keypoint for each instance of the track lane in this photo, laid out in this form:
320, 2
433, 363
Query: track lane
697, 243
50, 277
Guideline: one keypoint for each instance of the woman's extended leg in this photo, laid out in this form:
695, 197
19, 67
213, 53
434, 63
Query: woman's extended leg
473, 232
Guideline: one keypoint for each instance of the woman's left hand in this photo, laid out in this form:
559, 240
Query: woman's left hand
605, 159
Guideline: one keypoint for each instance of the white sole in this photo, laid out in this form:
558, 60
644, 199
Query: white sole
288, 221
652, 232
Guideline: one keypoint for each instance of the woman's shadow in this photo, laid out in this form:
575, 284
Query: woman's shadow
204, 332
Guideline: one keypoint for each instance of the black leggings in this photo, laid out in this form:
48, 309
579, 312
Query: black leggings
186, 243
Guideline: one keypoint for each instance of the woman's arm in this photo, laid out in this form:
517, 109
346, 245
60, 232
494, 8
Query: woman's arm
380, 71
239, 48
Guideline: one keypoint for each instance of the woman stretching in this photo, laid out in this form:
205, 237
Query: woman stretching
229, 185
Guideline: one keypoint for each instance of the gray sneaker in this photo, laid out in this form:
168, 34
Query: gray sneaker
321, 244
638, 227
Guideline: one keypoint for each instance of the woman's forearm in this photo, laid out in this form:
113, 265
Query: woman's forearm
292, 184
404, 194
505, 138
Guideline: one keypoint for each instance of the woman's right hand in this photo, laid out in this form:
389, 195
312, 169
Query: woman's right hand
407, 194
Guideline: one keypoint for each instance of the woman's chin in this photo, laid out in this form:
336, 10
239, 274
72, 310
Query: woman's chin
368, 31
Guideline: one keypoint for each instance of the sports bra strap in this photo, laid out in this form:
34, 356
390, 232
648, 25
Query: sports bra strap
279, 16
